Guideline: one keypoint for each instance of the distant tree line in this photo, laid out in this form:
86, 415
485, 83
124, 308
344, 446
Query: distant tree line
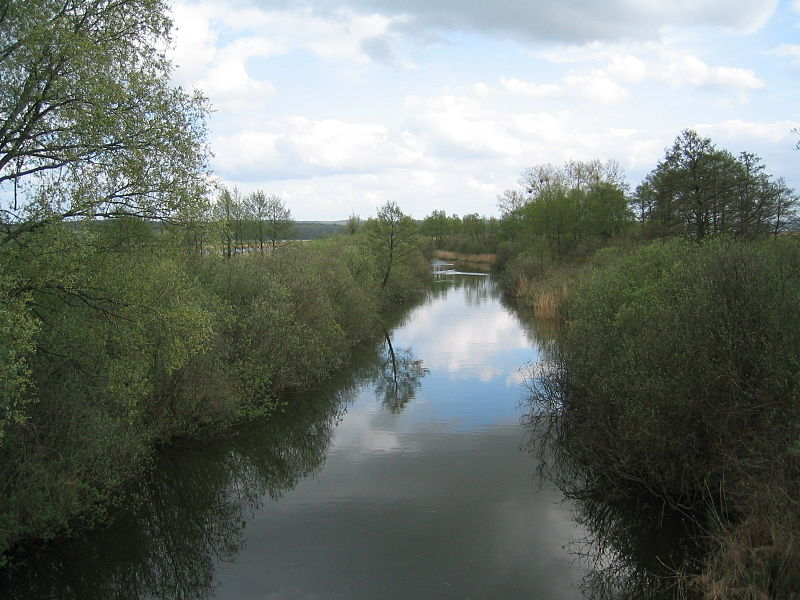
570, 210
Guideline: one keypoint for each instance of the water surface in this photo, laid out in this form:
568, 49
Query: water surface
405, 478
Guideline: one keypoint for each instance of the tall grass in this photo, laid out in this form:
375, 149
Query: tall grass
481, 259
550, 303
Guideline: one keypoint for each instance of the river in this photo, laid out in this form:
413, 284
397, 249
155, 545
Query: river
406, 477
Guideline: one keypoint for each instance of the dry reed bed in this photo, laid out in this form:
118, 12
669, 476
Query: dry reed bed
476, 259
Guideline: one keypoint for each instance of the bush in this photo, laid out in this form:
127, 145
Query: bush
115, 342
678, 380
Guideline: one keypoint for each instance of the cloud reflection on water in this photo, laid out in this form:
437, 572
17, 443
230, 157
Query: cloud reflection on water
463, 345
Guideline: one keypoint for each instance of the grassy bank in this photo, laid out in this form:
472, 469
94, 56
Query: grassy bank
677, 387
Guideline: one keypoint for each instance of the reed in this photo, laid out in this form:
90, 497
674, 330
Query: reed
548, 304
484, 259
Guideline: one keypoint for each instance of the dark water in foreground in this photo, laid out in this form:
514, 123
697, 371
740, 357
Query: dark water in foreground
407, 478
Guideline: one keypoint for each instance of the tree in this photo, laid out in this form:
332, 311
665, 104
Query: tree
475, 226
390, 238
437, 226
95, 316
90, 125
698, 189
509, 201
562, 206
278, 219
257, 205
607, 212
785, 202
353, 224
225, 212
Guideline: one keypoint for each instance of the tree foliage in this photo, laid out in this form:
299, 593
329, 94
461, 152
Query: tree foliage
391, 238
674, 391
698, 190
256, 216
90, 125
566, 206
277, 218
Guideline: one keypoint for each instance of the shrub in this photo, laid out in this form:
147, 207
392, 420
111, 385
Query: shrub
678, 381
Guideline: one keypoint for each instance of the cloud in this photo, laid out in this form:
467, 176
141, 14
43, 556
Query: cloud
626, 67
746, 133
339, 35
530, 90
686, 69
791, 51
300, 147
230, 87
567, 21
596, 87
462, 126
216, 46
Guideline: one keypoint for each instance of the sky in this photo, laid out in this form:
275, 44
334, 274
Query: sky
339, 107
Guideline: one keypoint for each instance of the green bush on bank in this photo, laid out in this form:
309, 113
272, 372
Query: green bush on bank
678, 384
118, 341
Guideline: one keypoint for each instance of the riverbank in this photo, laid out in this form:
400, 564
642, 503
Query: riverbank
149, 344
673, 389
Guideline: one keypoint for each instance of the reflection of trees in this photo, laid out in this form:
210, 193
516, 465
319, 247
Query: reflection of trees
543, 333
477, 288
635, 549
399, 377
191, 513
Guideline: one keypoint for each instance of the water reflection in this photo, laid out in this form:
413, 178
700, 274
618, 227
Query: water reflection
399, 378
470, 334
634, 549
192, 512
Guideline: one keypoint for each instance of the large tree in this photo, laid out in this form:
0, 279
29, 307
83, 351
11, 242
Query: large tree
278, 219
90, 125
391, 238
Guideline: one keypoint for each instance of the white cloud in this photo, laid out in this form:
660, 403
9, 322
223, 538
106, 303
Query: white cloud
791, 51
311, 103
569, 21
230, 87
460, 125
481, 89
530, 90
626, 67
744, 134
342, 35
596, 87
206, 59
686, 69
301, 147
195, 45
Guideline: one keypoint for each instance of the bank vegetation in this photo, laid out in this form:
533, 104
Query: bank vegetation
140, 304
673, 394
